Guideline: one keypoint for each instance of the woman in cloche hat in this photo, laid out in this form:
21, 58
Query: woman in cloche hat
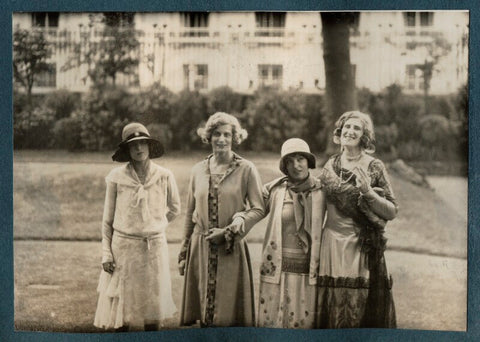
290, 256
141, 199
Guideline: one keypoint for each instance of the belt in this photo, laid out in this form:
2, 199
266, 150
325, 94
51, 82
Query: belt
147, 238
198, 230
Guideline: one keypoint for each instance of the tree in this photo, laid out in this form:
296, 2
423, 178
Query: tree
30, 53
435, 50
340, 84
113, 52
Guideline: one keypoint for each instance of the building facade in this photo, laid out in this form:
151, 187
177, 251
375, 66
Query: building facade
247, 50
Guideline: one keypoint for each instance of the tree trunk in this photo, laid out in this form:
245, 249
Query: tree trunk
340, 85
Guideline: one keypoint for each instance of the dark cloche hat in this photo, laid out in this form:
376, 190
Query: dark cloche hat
136, 131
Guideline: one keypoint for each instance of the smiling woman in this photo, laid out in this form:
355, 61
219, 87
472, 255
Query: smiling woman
354, 288
218, 287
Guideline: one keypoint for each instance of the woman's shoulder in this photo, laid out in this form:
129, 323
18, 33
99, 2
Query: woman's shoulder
246, 163
275, 184
116, 173
199, 167
160, 169
374, 164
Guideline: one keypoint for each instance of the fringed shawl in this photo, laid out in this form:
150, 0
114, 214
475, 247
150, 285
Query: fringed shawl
348, 200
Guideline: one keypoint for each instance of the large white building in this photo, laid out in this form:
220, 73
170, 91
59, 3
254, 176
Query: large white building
244, 50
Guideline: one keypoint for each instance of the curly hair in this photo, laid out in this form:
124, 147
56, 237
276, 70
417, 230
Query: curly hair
219, 119
367, 140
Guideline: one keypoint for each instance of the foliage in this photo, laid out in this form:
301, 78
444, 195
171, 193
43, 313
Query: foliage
316, 130
274, 116
108, 51
30, 54
62, 102
153, 105
434, 129
386, 138
94, 121
224, 99
66, 133
461, 121
103, 113
391, 105
31, 127
162, 132
191, 111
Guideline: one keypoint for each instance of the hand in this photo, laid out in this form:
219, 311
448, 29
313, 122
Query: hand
181, 267
109, 266
237, 225
216, 236
362, 180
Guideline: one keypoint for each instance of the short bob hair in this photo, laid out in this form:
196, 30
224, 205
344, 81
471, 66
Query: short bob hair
219, 119
367, 141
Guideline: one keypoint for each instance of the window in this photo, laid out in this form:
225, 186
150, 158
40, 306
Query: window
201, 76
270, 19
409, 18
414, 78
426, 18
270, 75
47, 78
45, 19
270, 24
413, 19
196, 24
195, 77
195, 19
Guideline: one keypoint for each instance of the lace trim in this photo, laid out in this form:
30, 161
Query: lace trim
353, 283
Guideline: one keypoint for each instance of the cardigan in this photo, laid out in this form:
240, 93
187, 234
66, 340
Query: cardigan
274, 194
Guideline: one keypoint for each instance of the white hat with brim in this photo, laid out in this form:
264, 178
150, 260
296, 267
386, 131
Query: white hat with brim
296, 146
132, 132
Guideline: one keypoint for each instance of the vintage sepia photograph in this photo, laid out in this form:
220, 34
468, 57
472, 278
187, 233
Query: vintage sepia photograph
288, 170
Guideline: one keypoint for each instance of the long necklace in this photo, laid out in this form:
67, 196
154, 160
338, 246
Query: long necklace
351, 159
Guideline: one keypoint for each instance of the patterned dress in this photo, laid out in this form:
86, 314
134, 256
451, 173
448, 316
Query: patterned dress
218, 288
345, 284
290, 256
290, 304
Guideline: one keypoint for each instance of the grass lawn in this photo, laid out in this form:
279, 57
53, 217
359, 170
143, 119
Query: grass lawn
59, 195
55, 287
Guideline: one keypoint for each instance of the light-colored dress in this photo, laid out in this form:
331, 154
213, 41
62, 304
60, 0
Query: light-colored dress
345, 283
290, 257
218, 288
133, 237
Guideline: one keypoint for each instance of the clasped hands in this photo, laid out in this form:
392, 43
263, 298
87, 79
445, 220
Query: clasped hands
362, 180
217, 235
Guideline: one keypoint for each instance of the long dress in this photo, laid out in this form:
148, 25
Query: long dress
349, 294
290, 300
133, 237
218, 288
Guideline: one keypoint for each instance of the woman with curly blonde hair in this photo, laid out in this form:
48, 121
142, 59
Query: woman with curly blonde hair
218, 287
354, 289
